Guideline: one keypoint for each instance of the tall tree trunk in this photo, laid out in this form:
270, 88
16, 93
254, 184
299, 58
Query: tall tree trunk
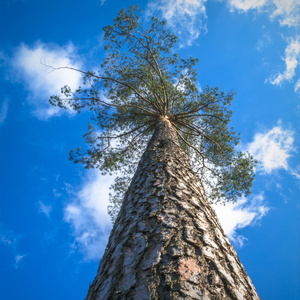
167, 242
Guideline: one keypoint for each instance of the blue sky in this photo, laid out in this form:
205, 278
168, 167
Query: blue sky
53, 221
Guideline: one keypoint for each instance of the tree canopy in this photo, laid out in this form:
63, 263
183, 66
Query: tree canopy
141, 79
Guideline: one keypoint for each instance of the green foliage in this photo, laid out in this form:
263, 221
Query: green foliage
139, 80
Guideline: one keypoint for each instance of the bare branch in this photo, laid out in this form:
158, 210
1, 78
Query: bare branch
126, 133
191, 127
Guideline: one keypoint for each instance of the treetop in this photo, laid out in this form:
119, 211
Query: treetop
141, 79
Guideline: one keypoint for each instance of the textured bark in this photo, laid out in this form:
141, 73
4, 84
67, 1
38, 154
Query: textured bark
167, 242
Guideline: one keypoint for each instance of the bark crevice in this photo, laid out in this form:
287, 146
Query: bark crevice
167, 242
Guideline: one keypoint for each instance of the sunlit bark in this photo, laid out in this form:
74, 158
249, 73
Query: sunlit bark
167, 242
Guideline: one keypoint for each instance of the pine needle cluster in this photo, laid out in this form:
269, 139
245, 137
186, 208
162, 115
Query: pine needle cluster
140, 80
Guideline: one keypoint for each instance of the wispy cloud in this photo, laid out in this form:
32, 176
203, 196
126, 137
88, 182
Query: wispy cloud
18, 259
263, 42
88, 217
29, 68
45, 209
296, 173
10, 239
247, 5
291, 59
297, 86
287, 12
186, 18
272, 148
243, 213
3, 110
56, 193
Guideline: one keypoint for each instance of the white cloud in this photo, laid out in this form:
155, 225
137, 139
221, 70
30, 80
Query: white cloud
10, 239
287, 12
273, 148
91, 225
56, 193
186, 17
88, 217
259, 45
45, 209
29, 68
3, 110
297, 86
18, 259
291, 59
235, 216
7, 239
262, 43
296, 174
245, 5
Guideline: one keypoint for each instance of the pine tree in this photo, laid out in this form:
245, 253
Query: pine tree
166, 242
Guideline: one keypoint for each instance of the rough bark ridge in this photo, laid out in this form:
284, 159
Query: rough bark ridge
167, 242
